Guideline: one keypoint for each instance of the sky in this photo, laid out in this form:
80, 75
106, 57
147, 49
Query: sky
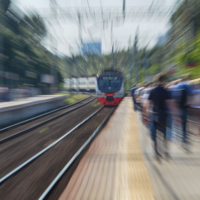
64, 34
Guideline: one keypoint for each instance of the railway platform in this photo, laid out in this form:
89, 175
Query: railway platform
120, 165
114, 165
176, 178
23, 108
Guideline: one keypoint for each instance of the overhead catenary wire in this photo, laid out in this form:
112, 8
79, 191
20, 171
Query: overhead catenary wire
102, 15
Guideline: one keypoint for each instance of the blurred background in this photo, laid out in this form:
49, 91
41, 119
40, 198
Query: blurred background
44, 43
90, 54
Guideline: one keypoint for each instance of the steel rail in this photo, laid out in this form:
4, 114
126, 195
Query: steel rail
56, 179
41, 123
42, 115
46, 149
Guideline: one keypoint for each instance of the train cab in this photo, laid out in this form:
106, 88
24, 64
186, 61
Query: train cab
110, 88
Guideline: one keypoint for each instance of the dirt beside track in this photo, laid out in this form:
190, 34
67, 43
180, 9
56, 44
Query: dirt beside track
30, 182
18, 150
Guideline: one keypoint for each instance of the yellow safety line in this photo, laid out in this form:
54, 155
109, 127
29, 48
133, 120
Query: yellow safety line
133, 178
113, 167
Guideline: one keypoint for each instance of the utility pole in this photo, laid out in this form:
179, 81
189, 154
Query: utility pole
53, 5
85, 67
51, 70
129, 62
113, 56
80, 29
190, 10
77, 84
124, 9
136, 57
1, 59
145, 63
69, 63
81, 42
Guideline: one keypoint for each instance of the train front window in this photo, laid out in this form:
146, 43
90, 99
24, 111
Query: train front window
103, 83
109, 83
115, 84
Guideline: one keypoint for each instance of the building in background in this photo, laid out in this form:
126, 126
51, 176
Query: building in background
89, 48
162, 39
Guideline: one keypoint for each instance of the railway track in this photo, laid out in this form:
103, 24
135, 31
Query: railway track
4, 129
39, 174
23, 127
19, 149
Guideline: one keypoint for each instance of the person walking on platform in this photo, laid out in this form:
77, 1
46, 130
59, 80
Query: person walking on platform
137, 96
172, 91
159, 99
185, 92
132, 91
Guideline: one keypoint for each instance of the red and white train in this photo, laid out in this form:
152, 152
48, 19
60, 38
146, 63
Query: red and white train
110, 87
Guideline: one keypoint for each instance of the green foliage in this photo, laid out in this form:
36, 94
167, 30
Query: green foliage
21, 45
179, 11
186, 12
154, 68
74, 98
61, 86
95, 105
182, 58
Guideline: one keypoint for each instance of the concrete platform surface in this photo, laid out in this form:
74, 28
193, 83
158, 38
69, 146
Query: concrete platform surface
177, 178
113, 168
14, 111
28, 101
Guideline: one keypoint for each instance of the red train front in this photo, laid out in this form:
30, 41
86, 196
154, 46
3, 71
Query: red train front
110, 88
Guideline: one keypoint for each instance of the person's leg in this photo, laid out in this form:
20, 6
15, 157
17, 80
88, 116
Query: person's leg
135, 106
169, 127
184, 121
166, 148
154, 138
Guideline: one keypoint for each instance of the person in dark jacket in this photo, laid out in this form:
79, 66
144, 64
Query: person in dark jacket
159, 100
185, 92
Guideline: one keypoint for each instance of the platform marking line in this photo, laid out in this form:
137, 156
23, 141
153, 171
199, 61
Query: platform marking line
44, 130
116, 168
133, 171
